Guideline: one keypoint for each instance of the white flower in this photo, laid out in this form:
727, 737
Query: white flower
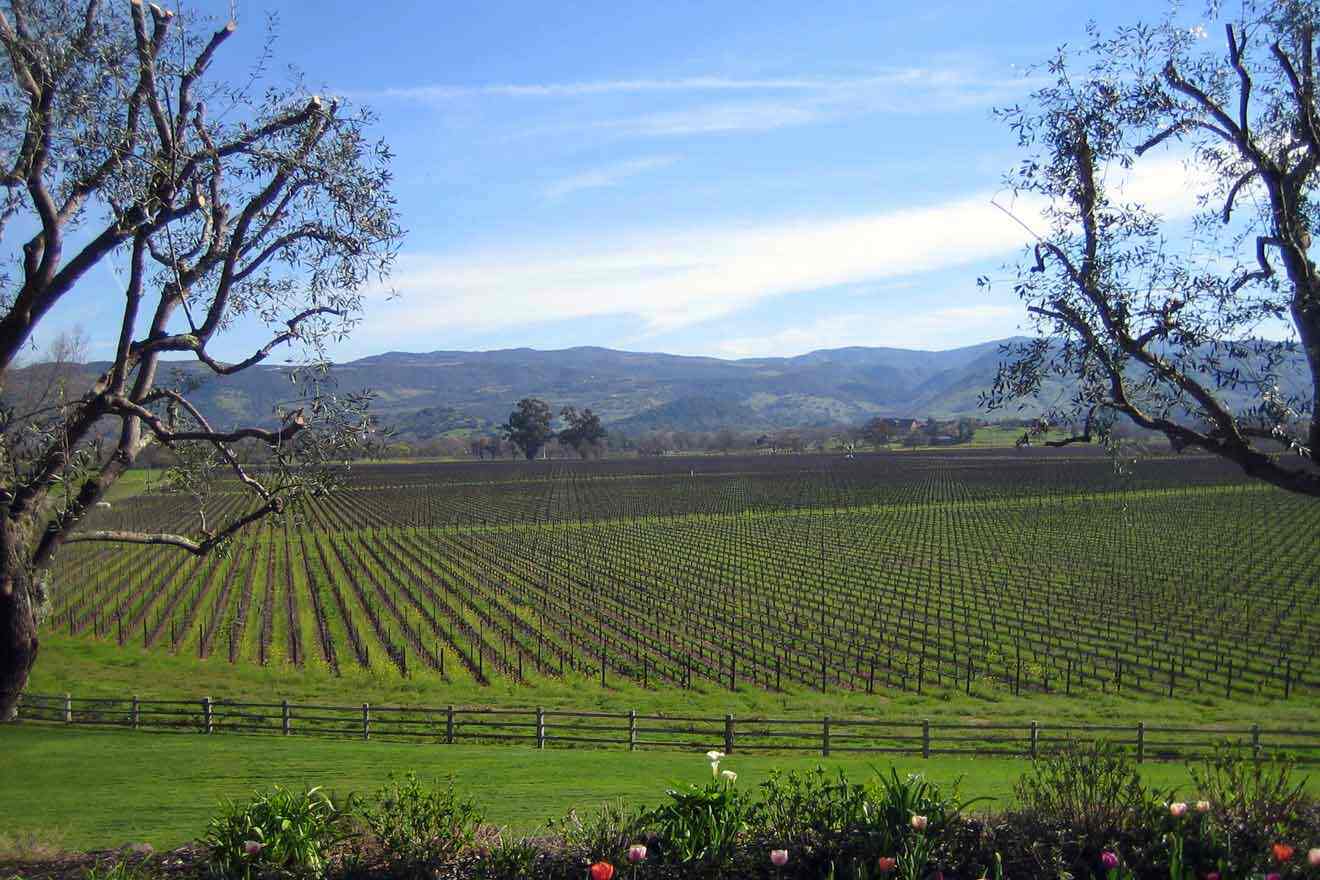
714, 756
919, 823
729, 776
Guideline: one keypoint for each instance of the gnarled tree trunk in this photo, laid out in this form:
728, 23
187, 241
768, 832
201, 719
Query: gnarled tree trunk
18, 624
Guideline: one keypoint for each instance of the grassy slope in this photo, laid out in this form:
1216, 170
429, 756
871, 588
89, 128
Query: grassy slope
89, 668
98, 788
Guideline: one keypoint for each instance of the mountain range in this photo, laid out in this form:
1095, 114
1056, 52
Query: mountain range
424, 395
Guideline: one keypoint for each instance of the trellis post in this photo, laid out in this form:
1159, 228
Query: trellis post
1035, 738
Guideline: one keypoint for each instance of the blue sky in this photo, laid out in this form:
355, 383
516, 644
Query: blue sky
721, 178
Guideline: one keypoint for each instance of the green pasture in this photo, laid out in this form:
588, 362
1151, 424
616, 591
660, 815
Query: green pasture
81, 789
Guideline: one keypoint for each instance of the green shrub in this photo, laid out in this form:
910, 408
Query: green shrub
1246, 791
602, 834
419, 828
1093, 788
509, 859
278, 831
702, 823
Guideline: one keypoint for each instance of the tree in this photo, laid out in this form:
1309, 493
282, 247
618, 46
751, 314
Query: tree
224, 207
878, 431
1158, 326
584, 432
528, 426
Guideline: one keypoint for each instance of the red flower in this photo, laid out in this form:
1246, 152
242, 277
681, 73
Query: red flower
1282, 852
601, 871
887, 864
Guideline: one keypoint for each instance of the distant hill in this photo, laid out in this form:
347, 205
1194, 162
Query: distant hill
424, 395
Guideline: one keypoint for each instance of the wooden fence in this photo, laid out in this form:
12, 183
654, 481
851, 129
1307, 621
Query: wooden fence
545, 728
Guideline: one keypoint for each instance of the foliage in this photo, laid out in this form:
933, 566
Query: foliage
1155, 333
509, 858
702, 823
279, 830
225, 204
1092, 788
584, 432
528, 426
603, 833
419, 828
120, 869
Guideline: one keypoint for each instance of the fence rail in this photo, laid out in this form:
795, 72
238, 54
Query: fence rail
547, 728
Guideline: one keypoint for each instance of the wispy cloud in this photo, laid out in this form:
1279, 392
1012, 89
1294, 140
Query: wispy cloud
679, 84
935, 330
606, 175
674, 279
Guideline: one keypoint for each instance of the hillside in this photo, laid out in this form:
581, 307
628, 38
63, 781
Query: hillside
423, 395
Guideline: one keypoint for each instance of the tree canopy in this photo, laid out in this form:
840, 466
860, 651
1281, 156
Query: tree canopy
528, 426
1155, 323
226, 204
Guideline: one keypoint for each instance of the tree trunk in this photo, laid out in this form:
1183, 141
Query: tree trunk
18, 625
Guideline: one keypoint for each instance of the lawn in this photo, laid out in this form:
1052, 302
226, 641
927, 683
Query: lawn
89, 789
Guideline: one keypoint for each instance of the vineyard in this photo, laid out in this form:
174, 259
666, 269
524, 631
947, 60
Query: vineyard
969, 571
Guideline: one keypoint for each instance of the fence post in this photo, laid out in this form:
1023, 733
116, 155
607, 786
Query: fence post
825, 737
1141, 741
284, 716
540, 727
728, 734
449, 725
632, 730
135, 713
925, 738
366, 721
68, 708
1035, 738
1255, 741
206, 715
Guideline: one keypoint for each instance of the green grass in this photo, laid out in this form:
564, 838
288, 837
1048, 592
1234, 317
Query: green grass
100, 789
93, 668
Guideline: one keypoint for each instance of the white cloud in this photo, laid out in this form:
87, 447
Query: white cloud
606, 175
933, 330
673, 279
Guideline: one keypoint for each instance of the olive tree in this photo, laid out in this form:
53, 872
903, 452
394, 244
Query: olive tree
1207, 332
222, 206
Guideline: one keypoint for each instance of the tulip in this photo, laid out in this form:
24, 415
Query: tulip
1177, 810
1109, 859
1202, 806
1213, 875
1282, 852
637, 853
919, 823
729, 776
252, 848
601, 871
779, 857
1274, 876
1313, 857
887, 864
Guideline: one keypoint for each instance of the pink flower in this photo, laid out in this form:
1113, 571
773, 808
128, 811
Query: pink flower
1313, 857
1177, 810
1274, 876
1109, 859
636, 853
779, 857
919, 823
1202, 806
252, 848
